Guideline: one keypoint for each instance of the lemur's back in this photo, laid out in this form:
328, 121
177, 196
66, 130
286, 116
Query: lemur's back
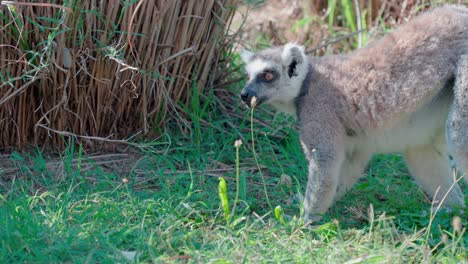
402, 71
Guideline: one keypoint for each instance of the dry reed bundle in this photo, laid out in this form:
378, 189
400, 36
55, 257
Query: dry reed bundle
104, 69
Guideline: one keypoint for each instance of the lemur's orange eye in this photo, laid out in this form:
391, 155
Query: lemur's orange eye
268, 76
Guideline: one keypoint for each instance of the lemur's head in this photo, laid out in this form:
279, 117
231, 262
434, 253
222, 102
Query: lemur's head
274, 75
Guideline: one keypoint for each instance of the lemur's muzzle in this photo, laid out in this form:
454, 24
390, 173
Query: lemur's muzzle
247, 95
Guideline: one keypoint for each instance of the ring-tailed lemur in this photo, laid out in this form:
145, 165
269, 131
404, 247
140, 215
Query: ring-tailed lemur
406, 92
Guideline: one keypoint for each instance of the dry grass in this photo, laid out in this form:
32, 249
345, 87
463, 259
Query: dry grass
104, 69
322, 25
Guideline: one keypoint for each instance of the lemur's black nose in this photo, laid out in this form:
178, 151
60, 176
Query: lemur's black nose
244, 96
247, 94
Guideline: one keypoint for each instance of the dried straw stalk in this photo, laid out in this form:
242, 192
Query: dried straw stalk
104, 69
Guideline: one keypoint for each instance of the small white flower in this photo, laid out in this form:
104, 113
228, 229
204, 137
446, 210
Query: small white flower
238, 143
253, 101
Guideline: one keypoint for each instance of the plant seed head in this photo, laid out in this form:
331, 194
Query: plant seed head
457, 224
444, 239
238, 143
253, 102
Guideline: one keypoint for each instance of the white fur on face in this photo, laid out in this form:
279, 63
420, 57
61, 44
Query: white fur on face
257, 66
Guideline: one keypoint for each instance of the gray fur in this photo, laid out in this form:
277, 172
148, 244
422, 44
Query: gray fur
406, 92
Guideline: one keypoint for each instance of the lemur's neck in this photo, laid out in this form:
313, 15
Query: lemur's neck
288, 107
298, 101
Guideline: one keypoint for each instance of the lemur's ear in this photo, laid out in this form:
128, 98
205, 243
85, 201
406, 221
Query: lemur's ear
293, 57
246, 55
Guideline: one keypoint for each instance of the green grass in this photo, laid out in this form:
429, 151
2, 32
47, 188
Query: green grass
164, 205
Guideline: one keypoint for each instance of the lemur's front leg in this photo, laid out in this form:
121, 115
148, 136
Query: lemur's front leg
325, 155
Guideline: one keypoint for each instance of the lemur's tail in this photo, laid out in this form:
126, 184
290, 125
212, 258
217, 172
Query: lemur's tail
457, 122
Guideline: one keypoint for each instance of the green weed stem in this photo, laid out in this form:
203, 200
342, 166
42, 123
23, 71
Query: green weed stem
256, 159
237, 145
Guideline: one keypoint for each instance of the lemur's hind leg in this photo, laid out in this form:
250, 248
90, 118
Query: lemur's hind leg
429, 165
457, 122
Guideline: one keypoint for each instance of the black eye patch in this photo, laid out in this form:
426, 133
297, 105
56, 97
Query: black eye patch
267, 75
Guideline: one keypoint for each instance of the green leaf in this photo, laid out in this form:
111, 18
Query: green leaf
348, 13
222, 191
